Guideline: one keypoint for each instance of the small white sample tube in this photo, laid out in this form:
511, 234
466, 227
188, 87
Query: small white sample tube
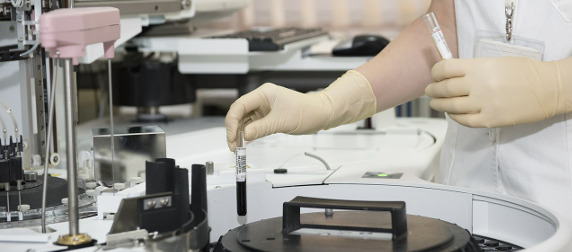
437, 35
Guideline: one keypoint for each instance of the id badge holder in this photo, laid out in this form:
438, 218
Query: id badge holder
494, 45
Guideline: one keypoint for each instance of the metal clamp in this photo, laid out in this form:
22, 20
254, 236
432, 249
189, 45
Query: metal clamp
508, 12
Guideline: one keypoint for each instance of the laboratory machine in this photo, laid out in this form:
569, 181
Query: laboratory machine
147, 183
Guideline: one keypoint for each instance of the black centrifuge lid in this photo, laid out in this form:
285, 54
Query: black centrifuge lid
369, 226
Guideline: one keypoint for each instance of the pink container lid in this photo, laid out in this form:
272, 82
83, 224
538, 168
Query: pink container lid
78, 19
65, 33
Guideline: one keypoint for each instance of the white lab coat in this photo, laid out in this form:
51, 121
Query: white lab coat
531, 161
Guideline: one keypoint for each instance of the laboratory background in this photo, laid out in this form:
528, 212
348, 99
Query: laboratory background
343, 19
114, 139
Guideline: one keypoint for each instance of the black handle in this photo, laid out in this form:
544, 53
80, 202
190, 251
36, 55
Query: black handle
291, 213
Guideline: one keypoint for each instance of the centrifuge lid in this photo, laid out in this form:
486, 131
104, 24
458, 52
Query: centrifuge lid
355, 230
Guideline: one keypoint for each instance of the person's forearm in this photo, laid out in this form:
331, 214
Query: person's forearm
402, 70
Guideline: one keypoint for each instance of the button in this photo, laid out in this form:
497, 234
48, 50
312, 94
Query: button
151, 204
164, 202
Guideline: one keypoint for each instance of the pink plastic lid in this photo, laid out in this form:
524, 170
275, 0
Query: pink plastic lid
65, 33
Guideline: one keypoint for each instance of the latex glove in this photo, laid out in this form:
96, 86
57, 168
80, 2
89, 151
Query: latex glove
274, 109
496, 92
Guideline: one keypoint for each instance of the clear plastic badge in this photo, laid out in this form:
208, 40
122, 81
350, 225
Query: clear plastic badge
494, 45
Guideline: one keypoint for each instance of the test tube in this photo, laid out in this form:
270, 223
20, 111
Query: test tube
240, 152
437, 35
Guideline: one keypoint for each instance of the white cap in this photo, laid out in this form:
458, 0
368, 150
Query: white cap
119, 186
24, 207
91, 184
36, 160
90, 192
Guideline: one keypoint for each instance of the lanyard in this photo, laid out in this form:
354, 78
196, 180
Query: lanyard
509, 13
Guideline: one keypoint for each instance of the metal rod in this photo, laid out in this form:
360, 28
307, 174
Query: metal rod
112, 127
48, 140
70, 128
7, 188
19, 188
68, 4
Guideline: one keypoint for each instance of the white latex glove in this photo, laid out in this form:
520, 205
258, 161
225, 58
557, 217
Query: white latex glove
496, 92
274, 109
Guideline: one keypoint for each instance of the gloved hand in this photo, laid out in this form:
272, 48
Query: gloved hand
274, 109
496, 92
